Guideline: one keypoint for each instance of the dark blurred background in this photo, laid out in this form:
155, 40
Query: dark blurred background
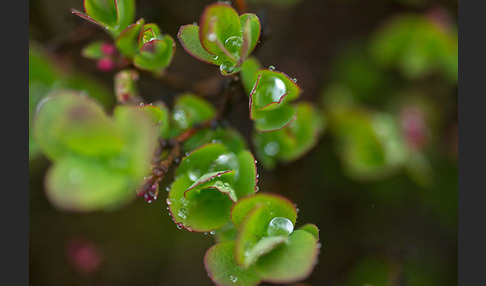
399, 228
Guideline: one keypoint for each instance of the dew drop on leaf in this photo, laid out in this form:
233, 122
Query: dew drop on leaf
227, 67
182, 213
218, 184
233, 278
272, 148
280, 226
272, 68
233, 45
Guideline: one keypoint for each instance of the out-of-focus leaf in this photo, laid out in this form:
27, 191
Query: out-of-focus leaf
93, 51
70, 123
82, 184
188, 111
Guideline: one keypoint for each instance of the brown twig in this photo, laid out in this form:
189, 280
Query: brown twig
240, 6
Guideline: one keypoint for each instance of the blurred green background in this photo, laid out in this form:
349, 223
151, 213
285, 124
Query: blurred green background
381, 184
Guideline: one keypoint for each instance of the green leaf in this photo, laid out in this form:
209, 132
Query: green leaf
219, 27
250, 241
67, 122
251, 33
199, 161
202, 211
188, 111
229, 137
127, 40
93, 51
103, 11
370, 143
312, 229
189, 37
273, 87
140, 140
81, 184
125, 14
291, 261
274, 119
160, 117
249, 73
222, 269
155, 55
294, 140
275, 206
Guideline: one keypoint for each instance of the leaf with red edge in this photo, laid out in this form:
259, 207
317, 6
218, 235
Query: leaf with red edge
219, 22
189, 37
276, 205
291, 261
103, 11
222, 269
127, 40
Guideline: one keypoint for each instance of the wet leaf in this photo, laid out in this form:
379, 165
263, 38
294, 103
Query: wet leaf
222, 269
291, 261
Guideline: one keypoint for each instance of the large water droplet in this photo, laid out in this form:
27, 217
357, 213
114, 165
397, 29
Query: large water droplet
276, 89
280, 226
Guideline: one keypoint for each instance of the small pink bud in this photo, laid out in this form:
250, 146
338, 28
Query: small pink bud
108, 49
106, 65
83, 255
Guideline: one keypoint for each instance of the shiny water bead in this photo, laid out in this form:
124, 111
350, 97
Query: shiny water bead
280, 226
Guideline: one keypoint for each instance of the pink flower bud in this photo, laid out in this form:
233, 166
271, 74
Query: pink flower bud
106, 65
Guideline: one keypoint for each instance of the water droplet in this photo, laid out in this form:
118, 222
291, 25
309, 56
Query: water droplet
179, 226
193, 175
294, 80
233, 45
167, 188
181, 118
319, 245
227, 67
182, 213
218, 184
226, 185
212, 232
212, 37
142, 104
205, 233
169, 201
280, 226
194, 23
233, 278
272, 148
297, 210
272, 68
